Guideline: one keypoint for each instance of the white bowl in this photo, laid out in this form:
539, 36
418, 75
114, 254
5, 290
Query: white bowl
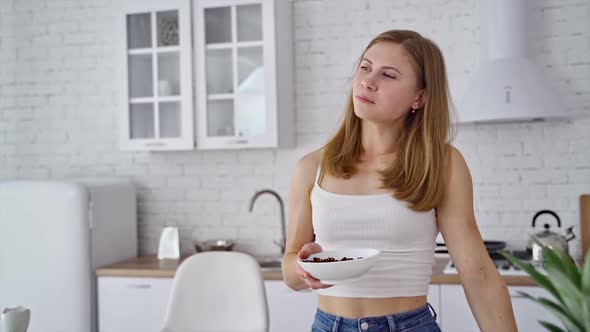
331, 273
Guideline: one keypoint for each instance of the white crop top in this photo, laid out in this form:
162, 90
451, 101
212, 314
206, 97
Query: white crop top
377, 221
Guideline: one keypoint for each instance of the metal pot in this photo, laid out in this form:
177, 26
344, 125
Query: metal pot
548, 238
214, 245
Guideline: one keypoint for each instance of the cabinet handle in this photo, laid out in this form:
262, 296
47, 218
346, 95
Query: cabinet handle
156, 144
239, 141
139, 286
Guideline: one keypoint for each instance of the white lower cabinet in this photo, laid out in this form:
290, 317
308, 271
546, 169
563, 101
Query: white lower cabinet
527, 312
132, 304
456, 315
139, 304
290, 311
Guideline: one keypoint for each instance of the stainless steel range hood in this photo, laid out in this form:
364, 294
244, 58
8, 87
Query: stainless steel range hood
507, 86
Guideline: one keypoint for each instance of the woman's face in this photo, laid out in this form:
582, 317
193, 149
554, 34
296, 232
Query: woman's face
384, 87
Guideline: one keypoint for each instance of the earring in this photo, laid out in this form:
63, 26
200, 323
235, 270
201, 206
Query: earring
413, 110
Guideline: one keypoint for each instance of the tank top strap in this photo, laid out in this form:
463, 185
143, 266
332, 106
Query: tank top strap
319, 175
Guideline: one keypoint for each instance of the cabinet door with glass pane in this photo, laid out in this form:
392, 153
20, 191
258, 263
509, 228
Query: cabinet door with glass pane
157, 106
236, 73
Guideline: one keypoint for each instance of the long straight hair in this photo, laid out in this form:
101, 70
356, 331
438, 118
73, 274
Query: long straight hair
419, 173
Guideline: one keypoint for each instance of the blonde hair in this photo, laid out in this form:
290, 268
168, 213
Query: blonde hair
418, 175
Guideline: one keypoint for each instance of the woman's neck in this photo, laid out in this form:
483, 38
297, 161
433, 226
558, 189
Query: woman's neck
379, 141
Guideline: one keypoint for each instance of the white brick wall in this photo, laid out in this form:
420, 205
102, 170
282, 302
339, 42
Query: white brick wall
58, 115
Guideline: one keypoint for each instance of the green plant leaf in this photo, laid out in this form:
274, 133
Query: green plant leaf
537, 276
567, 282
586, 275
586, 314
551, 327
557, 310
571, 295
560, 260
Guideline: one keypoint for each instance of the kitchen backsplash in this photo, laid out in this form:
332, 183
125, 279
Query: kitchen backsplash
59, 110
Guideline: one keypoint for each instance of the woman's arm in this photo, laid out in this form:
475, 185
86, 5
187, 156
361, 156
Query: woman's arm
300, 228
484, 288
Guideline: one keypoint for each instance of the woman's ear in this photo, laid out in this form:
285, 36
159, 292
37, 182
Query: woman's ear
420, 99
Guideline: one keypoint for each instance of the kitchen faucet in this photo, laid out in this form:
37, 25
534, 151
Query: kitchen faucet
281, 244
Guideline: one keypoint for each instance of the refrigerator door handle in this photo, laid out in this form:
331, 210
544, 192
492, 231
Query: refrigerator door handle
90, 219
139, 286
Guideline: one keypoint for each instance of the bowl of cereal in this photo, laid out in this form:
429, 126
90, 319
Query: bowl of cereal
337, 266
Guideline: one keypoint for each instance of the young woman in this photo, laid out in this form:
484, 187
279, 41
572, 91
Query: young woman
389, 179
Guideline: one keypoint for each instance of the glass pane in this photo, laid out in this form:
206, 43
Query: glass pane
219, 71
168, 74
140, 76
250, 108
141, 120
220, 118
169, 119
218, 25
249, 62
249, 21
139, 31
167, 28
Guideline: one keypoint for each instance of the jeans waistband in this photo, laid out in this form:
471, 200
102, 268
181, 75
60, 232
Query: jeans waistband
394, 321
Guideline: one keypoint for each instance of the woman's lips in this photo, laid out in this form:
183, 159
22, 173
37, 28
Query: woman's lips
364, 100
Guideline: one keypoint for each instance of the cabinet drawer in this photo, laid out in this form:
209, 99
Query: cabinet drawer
132, 304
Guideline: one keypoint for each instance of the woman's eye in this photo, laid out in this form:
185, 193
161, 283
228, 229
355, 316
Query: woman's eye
389, 76
364, 68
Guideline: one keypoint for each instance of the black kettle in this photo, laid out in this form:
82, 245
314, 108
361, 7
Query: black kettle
548, 238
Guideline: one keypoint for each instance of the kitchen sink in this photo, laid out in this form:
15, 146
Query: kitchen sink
269, 264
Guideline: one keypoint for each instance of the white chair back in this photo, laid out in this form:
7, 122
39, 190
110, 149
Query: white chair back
215, 292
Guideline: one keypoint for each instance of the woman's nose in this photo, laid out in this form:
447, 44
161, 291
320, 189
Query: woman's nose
368, 83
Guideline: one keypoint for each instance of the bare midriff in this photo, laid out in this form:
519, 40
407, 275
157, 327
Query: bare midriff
352, 307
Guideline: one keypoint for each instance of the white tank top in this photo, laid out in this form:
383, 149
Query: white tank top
377, 221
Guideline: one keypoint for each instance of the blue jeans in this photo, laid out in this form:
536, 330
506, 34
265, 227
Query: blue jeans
417, 320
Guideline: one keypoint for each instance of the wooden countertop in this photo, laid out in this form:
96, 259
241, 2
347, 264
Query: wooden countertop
151, 267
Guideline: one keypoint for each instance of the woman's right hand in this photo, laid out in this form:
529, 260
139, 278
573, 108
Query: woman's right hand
307, 250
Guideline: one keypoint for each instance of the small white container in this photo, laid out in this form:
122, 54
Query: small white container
169, 246
15, 319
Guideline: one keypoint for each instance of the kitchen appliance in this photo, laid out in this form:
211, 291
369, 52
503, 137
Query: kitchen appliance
507, 86
53, 234
504, 266
549, 238
491, 246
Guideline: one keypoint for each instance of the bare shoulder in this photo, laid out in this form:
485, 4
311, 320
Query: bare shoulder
306, 168
457, 165
311, 159
459, 183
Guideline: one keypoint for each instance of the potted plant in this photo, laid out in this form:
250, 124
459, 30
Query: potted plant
566, 282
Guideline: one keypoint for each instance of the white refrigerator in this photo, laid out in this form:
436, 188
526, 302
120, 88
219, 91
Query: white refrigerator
53, 235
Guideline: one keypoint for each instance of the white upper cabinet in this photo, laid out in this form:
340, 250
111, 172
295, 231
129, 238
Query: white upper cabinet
157, 92
244, 74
